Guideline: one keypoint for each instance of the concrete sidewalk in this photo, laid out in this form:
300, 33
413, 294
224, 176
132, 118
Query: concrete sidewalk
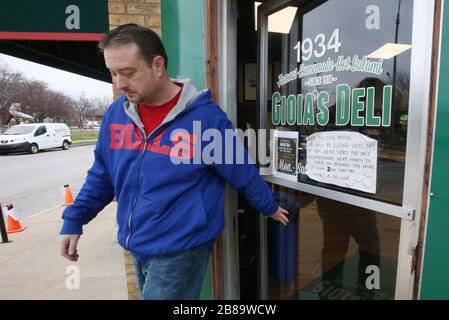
31, 267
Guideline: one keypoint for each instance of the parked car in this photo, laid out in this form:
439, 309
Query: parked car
35, 137
92, 124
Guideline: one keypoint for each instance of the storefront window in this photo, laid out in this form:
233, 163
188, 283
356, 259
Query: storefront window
339, 86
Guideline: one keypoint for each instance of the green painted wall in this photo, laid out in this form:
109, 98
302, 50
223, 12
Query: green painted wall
435, 277
183, 37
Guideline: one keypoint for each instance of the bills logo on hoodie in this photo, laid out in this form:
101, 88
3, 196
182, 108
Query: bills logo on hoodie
128, 137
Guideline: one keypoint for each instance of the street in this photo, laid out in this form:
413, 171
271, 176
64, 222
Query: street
32, 182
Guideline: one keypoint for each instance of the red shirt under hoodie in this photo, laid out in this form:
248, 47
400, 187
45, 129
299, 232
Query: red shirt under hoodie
152, 116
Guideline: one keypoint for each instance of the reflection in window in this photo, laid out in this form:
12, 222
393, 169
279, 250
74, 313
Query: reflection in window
332, 251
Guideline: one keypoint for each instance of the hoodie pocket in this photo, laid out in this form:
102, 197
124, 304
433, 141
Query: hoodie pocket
179, 220
190, 213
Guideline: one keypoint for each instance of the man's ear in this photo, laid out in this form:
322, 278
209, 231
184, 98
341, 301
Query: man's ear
159, 64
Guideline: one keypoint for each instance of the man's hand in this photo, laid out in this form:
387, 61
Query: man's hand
67, 245
281, 216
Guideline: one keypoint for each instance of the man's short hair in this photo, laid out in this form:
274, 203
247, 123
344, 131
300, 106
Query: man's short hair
148, 42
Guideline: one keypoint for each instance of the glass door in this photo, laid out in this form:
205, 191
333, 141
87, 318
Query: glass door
335, 90
331, 251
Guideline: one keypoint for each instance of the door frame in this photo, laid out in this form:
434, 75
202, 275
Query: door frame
221, 76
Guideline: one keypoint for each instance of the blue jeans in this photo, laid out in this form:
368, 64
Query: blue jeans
176, 276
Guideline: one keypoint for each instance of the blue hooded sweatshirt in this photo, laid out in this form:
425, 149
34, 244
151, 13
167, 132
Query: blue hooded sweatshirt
167, 202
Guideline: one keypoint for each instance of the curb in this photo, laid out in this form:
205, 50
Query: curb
83, 143
42, 212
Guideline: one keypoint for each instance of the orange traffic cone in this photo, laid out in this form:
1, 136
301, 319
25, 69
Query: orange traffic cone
13, 221
68, 196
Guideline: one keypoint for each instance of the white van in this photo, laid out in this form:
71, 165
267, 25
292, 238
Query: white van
34, 137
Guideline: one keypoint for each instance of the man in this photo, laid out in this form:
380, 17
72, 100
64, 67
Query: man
169, 214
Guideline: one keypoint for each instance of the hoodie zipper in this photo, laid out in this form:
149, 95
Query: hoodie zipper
138, 184
138, 188
140, 167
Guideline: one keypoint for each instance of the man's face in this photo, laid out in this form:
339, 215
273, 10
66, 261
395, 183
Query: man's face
131, 73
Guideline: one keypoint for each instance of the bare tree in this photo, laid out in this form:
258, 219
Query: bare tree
41, 102
82, 108
36, 99
10, 84
102, 103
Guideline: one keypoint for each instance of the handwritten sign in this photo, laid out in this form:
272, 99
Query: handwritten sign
343, 158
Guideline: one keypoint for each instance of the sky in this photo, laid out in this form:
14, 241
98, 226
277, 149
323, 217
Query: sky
65, 82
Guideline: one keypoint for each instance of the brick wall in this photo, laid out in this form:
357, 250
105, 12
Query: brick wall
146, 13
131, 282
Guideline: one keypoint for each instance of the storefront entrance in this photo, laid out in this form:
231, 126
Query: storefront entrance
337, 86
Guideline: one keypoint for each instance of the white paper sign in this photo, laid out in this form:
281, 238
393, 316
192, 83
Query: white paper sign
343, 158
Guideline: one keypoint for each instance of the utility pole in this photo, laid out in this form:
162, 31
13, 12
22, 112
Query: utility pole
2, 227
